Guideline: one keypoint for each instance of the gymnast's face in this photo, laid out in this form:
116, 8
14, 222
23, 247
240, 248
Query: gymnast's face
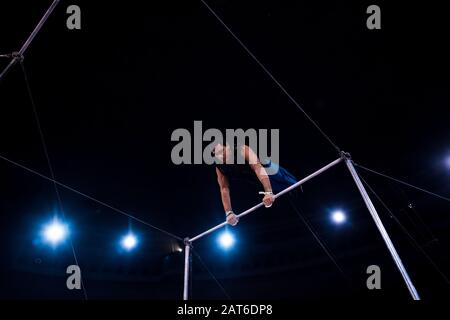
222, 153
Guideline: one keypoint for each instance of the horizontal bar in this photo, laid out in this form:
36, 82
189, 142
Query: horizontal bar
295, 185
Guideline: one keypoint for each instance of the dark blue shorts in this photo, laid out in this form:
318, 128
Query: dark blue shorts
281, 180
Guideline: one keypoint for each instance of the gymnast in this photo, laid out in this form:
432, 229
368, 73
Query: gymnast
271, 176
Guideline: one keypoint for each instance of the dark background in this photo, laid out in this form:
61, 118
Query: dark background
110, 95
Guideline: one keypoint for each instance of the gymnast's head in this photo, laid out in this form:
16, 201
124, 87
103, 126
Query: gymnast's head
222, 152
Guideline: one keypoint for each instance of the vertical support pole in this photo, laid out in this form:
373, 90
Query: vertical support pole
379, 224
17, 56
187, 260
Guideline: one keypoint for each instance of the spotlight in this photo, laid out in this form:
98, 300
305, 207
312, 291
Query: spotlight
55, 232
338, 217
447, 162
129, 242
226, 240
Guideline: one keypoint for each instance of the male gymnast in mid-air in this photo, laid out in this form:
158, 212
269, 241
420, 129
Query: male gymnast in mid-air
250, 170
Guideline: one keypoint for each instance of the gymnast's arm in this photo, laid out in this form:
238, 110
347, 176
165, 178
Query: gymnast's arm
261, 173
224, 190
226, 199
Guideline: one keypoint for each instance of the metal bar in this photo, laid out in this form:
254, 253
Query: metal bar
187, 255
38, 27
384, 234
295, 185
8, 67
30, 38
